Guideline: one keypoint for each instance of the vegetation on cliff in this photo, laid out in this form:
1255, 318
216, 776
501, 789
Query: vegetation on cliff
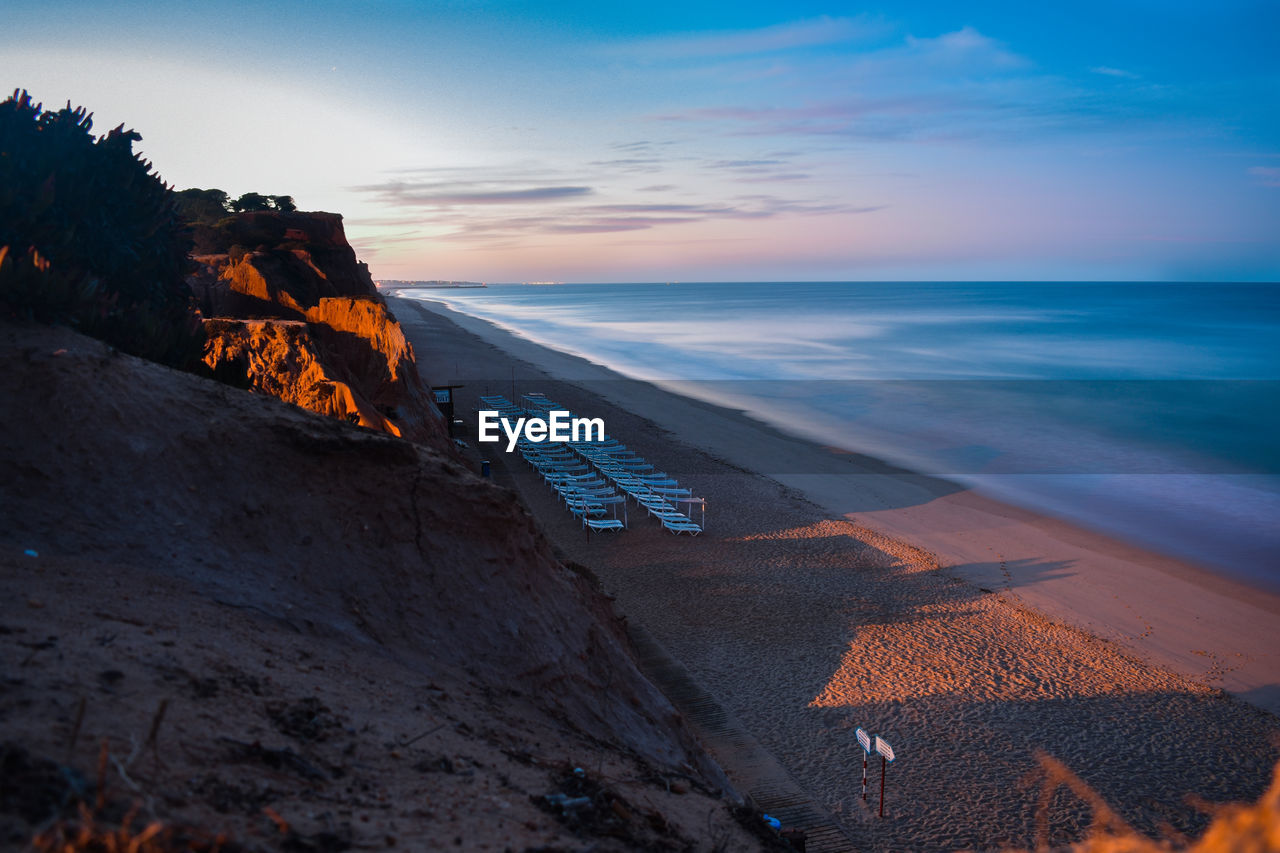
210, 206
215, 229
90, 236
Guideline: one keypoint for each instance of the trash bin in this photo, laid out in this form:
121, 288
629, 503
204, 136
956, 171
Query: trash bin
484, 467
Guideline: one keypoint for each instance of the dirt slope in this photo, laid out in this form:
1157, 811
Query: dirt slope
303, 633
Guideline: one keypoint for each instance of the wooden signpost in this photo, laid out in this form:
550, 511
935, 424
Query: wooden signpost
886, 755
865, 741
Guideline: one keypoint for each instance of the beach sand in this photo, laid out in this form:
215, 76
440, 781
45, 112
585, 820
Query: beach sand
969, 634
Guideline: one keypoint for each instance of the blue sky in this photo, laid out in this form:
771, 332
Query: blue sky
702, 141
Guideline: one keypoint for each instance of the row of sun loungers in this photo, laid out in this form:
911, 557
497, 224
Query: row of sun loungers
595, 479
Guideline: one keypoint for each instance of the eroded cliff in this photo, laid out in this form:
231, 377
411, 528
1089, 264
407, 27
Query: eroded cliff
290, 309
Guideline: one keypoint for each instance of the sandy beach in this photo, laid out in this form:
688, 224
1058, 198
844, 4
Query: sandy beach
969, 634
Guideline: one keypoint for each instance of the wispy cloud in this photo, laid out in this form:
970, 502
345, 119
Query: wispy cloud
488, 212
881, 118
631, 165
965, 48
773, 177
660, 208
1267, 176
792, 35
416, 194
744, 164
764, 170
957, 86
609, 224
1108, 71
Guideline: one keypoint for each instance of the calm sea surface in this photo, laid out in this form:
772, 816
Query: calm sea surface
1150, 411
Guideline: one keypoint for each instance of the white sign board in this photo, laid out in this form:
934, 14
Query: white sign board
882, 747
865, 740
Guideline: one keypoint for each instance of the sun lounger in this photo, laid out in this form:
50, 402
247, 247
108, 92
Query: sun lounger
585, 508
590, 475
679, 527
671, 492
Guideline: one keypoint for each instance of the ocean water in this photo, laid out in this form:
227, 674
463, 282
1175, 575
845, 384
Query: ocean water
1149, 411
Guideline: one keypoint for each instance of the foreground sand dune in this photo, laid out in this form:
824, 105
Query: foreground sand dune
257, 621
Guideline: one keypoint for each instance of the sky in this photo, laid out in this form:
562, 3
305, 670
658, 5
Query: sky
708, 141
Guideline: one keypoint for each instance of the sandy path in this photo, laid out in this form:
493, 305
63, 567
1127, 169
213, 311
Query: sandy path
805, 624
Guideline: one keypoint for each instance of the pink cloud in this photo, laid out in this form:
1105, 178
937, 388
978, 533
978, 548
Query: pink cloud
1268, 176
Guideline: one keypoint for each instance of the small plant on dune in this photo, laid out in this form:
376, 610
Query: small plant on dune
89, 834
90, 236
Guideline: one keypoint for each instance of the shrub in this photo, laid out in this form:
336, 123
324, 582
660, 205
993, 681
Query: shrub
203, 207
90, 236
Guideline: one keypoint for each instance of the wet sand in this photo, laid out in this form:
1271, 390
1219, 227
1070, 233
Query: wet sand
969, 634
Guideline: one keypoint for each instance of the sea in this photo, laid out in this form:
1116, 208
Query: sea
1149, 411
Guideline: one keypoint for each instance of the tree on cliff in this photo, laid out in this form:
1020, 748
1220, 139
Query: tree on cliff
257, 201
90, 235
250, 202
206, 207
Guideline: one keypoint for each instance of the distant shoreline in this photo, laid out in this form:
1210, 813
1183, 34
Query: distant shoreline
1170, 611
393, 286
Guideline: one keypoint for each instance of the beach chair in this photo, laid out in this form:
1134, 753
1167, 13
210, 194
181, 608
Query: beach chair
681, 527
671, 492
590, 475
584, 508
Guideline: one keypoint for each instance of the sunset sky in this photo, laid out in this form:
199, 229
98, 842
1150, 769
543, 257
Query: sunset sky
499, 141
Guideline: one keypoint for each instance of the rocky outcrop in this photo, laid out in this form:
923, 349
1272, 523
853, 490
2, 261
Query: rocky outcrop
315, 239
291, 310
366, 337
284, 359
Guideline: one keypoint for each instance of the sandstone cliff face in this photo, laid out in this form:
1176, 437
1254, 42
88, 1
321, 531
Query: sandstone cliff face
318, 236
284, 359
299, 287
365, 336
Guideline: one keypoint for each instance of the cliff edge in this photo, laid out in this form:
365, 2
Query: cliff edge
290, 311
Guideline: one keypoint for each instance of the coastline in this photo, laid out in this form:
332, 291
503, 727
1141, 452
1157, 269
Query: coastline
802, 625
1167, 453
1175, 614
